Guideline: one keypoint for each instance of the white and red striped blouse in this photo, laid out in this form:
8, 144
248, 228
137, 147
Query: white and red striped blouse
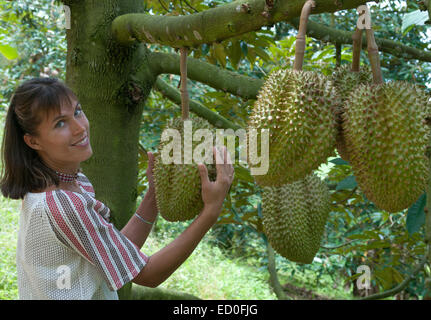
67, 249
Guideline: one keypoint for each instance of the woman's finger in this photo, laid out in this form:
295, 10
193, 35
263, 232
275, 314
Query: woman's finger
203, 172
150, 159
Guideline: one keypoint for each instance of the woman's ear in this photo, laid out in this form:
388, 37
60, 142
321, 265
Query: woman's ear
31, 142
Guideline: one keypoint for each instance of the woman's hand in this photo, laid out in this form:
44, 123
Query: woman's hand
214, 192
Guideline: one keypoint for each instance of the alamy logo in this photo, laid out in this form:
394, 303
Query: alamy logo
364, 20
63, 280
177, 151
62, 16
363, 281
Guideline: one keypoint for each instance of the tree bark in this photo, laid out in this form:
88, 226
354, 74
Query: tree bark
215, 24
214, 118
220, 79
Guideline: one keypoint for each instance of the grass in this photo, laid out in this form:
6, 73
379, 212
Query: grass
209, 274
9, 215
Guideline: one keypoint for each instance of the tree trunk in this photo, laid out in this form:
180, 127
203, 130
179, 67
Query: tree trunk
100, 72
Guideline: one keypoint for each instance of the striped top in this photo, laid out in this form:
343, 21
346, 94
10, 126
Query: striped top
68, 249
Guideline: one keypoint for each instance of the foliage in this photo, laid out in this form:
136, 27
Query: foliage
32, 29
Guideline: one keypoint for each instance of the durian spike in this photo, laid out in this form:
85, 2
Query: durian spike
183, 89
357, 45
300, 38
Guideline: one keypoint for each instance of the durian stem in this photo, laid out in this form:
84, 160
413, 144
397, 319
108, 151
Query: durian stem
273, 278
373, 55
357, 45
300, 38
184, 94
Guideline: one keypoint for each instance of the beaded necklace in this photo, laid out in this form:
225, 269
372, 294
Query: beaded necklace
66, 177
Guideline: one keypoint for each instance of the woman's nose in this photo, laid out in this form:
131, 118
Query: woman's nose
78, 126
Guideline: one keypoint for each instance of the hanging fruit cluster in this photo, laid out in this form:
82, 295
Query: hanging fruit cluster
380, 128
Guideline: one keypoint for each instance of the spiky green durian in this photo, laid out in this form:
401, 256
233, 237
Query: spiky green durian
386, 137
296, 107
178, 186
294, 217
345, 81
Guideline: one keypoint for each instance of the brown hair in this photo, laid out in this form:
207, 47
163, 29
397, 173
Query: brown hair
23, 170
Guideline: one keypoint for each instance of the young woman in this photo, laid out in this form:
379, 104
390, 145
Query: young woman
67, 249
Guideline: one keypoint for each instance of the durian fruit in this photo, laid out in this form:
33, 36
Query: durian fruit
345, 81
386, 132
178, 186
294, 217
386, 136
296, 107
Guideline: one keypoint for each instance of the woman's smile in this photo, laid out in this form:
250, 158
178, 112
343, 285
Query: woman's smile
83, 143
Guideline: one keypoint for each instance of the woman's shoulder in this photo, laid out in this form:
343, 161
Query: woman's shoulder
66, 201
85, 183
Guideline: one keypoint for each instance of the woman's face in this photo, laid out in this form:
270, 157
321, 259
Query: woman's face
58, 138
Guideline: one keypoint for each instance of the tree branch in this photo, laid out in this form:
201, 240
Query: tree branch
174, 95
402, 285
217, 78
183, 89
216, 24
320, 31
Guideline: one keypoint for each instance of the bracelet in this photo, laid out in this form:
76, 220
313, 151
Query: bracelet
142, 219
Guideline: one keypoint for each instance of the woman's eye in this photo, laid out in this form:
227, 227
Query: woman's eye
78, 109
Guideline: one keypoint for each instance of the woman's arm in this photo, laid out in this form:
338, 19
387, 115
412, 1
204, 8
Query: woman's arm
164, 262
137, 230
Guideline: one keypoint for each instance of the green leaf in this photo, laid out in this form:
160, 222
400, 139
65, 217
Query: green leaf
347, 183
9, 52
339, 161
244, 48
251, 57
234, 53
415, 18
205, 49
243, 174
220, 54
416, 215
358, 236
262, 53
